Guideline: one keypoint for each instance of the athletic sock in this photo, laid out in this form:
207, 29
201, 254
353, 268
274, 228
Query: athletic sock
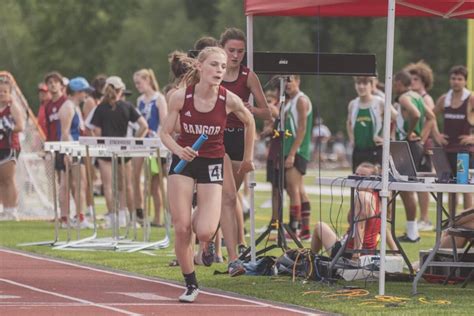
412, 230
305, 216
190, 279
295, 216
90, 209
139, 212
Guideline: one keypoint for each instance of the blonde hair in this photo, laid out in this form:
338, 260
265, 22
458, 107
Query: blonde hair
192, 76
148, 75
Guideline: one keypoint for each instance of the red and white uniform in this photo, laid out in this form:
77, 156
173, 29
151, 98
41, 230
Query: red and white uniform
194, 123
239, 87
52, 119
372, 228
10, 141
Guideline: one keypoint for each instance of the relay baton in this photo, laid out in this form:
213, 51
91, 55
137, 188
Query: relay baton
197, 144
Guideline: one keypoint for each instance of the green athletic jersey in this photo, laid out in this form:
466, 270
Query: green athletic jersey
291, 124
417, 101
364, 130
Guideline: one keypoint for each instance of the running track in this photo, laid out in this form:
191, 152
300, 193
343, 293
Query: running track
31, 284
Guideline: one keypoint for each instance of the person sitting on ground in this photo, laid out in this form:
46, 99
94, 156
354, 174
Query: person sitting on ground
367, 227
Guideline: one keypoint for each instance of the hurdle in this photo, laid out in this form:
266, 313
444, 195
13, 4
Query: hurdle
51, 148
79, 151
117, 147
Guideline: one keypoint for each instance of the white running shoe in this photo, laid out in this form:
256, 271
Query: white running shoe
425, 226
85, 224
109, 220
8, 215
190, 294
123, 218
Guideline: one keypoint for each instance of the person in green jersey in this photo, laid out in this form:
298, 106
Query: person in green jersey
364, 124
296, 149
421, 82
414, 124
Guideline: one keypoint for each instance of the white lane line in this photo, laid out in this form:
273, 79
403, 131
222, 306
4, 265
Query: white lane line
144, 296
46, 304
155, 281
69, 297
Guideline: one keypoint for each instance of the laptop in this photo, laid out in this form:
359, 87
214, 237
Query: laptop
444, 172
402, 163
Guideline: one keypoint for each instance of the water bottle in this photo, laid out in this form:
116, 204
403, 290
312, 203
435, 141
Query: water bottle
462, 166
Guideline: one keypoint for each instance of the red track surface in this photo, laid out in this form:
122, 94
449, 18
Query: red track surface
32, 285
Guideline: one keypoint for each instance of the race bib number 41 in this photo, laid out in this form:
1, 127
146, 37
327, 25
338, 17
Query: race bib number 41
215, 173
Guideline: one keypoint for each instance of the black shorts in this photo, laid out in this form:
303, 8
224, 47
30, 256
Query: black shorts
418, 154
273, 170
335, 249
453, 160
8, 155
59, 162
372, 155
300, 164
119, 159
234, 143
203, 170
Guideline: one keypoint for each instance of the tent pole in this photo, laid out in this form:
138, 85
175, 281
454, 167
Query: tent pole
252, 174
386, 140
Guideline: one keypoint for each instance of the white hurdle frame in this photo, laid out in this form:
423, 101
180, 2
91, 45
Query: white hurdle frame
78, 151
130, 147
51, 148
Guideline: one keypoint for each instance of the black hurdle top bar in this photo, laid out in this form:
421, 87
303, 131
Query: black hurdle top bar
312, 63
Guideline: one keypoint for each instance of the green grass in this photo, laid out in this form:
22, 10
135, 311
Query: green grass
280, 289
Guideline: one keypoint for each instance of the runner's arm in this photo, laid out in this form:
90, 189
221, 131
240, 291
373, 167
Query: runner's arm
17, 117
166, 131
262, 109
66, 114
413, 115
234, 104
350, 132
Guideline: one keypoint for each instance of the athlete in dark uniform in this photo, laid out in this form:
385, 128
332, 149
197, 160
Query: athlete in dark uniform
457, 108
202, 108
111, 119
243, 82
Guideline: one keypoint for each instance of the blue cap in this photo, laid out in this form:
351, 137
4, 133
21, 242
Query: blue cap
79, 84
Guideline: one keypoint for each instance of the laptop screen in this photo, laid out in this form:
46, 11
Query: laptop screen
441, 165
402, 158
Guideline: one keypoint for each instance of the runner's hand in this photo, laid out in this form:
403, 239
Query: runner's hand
187, 153
442, 139
290, 161
246, 166
413, 137
378, 140
466, 139
249, 107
